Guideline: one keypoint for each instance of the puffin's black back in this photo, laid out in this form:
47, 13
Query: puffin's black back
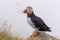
39, 23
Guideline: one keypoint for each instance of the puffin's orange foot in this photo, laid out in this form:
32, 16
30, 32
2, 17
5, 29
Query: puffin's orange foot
35, 34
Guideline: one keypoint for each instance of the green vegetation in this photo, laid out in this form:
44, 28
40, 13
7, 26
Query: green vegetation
5, 35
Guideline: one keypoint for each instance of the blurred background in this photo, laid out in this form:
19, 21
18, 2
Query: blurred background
48, 10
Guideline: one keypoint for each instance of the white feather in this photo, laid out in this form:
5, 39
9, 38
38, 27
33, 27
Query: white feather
31, 23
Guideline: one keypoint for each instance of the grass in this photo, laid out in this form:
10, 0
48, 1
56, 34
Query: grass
5, 33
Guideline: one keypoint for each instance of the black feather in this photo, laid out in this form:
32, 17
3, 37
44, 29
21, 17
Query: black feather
39, 23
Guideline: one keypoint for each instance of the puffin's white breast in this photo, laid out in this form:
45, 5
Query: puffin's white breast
30, 22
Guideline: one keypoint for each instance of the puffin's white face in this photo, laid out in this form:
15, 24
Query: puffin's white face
28, 10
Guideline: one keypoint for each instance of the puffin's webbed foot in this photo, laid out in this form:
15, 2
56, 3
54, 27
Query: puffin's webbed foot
35, 34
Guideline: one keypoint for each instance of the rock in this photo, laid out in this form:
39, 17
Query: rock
43, 36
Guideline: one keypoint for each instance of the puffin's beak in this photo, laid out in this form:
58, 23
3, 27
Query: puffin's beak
25, 11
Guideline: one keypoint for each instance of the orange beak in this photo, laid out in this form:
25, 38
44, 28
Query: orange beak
25, 11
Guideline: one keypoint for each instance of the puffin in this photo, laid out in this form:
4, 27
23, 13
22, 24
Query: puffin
35, 22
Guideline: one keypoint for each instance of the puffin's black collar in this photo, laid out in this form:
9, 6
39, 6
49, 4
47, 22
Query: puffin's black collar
30, 15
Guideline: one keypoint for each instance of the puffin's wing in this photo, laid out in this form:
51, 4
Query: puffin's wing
39, 23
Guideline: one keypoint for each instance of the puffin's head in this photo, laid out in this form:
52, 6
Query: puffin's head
28, 10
